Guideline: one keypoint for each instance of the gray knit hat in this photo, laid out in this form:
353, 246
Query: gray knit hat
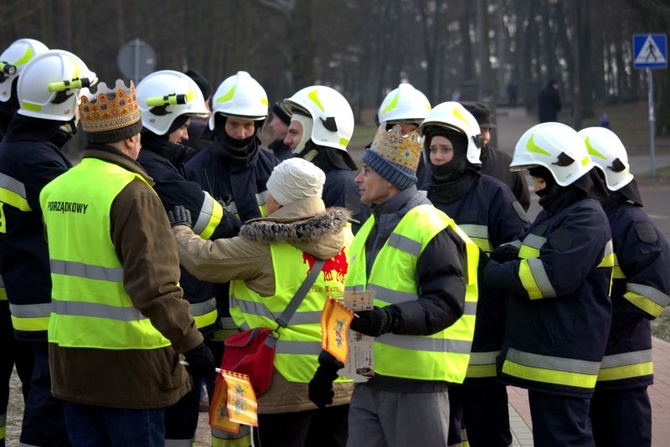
395, 157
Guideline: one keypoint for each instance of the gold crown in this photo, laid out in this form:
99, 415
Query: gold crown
401, 150
109, 109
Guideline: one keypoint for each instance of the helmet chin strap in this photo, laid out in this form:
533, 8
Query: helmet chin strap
307, 126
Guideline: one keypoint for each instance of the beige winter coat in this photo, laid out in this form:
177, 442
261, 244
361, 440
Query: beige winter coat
305, 224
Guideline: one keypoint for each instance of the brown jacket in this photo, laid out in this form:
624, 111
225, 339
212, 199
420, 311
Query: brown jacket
134, 379
247, 257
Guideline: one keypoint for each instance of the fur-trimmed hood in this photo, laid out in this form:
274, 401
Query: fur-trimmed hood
320, 235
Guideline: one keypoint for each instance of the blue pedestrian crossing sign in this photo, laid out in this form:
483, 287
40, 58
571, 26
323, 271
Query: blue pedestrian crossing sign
650, 51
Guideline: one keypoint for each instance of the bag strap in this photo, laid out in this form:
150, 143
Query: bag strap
293, 305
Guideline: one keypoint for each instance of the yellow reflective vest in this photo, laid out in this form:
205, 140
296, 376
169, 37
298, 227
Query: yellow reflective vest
90, 306
299, 343
441, 356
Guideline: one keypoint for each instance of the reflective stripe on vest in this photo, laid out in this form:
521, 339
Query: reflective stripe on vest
626, 365
299, 343
208, 219
479, 234
647, 298
553, 370
13, 192
440, 356
91, 308
532, 273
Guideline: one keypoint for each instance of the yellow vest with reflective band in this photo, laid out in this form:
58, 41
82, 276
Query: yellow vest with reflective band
441, 356
299, 344
90, 306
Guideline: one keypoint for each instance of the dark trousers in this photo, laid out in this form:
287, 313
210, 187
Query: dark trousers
181, 419
14, 353
560, 421
621, 417
93, 426
43, 419
485, 414
312, 428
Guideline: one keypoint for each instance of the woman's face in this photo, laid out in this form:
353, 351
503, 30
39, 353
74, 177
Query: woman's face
441, 150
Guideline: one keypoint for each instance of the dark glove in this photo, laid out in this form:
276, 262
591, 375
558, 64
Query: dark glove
483, 260
179, 216
201, 362
373, 322
505, 253
320, 390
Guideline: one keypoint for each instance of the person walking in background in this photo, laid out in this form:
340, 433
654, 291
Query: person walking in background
422, 270
407, 106
620, 408
279, 128
496, 162
512, 94
266, 264
487, 211
16, 353
556, 276
30, 157
549, 102
168, 101
322, 124
115, 275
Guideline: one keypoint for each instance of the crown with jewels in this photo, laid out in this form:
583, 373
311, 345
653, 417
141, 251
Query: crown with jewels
403, 151
109, 109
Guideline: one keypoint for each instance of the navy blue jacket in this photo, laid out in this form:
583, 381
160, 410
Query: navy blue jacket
488, 212
28, 161
566, 328
640, 291
238, 180
173, 189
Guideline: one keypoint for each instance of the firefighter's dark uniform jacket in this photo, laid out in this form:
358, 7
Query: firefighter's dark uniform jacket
237, 178
640, 292
161, 160
29, 159
558, 307
487, 211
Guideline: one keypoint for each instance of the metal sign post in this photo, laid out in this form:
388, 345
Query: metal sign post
650, 51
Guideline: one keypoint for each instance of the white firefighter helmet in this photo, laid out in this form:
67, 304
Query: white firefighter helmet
404, 104
330, 112
555, 146
609, 155
165, 95
50, 84
242, 96
452, 115
12, 61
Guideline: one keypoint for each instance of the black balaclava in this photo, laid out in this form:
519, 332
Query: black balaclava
551, 190
454, 169
237, 146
